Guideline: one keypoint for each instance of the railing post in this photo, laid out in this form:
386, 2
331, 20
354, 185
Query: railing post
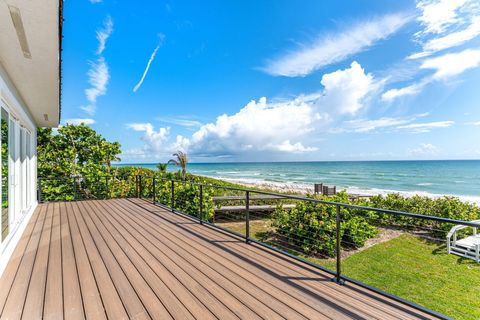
201, 204
247, 216
154, 191
173, 195
140, 188
39, 195
338, 276
74, 189
136, 186
106, 188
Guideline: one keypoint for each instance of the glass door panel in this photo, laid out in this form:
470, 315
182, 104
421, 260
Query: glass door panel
23, 171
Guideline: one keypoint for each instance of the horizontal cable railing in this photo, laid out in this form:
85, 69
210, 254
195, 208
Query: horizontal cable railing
327, 235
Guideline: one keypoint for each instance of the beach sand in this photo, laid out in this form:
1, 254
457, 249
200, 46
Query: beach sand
304, 189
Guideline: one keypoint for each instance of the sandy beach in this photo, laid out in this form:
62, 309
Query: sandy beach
308, 189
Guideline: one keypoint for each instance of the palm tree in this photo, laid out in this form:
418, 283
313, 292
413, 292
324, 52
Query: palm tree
180, 161
162, 167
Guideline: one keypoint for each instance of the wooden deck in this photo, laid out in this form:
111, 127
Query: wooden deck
129, 259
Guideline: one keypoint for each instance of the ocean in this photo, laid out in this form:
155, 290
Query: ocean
431, 178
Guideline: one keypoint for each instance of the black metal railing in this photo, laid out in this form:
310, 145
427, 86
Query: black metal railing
202, 202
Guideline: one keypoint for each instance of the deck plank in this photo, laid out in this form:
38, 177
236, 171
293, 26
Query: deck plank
131, 301
28, 295
276, 287
276, 261
20, 254
175, 298
280, 301
72, 295
112, 302
128, 258
185, 268
149, 299
53, 304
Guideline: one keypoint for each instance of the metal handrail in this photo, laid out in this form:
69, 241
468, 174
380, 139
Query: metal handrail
333, 203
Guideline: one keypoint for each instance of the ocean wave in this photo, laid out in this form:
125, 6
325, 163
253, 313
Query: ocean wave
424, 184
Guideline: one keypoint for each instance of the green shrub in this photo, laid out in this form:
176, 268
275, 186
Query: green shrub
311, 226
445, 207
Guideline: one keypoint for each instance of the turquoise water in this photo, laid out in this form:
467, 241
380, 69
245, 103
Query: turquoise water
455, 177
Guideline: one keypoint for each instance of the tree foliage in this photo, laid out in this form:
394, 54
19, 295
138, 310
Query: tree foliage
74, 150
74, 159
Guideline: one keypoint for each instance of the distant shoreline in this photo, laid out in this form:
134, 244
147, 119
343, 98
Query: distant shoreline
308, 189
430, 178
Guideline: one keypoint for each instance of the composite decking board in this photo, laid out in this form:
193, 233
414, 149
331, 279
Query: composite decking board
164, 281
53, 304
392, 308
9, 274
240, 287
114, 306
118, 259
153, 305
264, 300
217, 289
378, 302
90, 295
72, 296
34, 302
233, 271
156, 308
281, 285
396, 312
316, 280
277, 284
125, 289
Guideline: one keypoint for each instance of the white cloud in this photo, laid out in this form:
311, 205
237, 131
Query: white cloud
155, 140
476, 123
423, 149
278, 126
181, 121
452, 64
452, 23
271, 126
346, 89
365, 125
98, 74
77, 121
453, 39
393, 94
286, 146
438, 15
425, 127
103, 34
95, 1
98, 77
332, 48
445, 66
259, 126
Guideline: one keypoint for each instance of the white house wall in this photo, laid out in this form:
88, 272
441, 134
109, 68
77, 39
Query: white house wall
12, 102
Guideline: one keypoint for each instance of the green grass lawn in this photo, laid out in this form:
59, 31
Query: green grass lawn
408, 267
421, 272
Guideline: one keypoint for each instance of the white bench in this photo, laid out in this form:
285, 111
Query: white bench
468, 247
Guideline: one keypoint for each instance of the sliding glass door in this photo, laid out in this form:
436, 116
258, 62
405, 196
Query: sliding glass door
17, 182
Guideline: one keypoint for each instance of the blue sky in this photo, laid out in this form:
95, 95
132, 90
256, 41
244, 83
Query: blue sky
276, 80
